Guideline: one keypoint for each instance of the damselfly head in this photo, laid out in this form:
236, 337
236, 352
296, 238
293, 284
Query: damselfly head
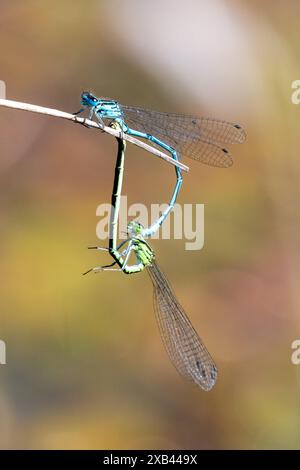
88, 99
134, 228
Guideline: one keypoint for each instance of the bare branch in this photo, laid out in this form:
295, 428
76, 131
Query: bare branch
71, 117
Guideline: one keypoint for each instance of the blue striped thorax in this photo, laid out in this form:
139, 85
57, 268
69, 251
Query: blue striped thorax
105, 108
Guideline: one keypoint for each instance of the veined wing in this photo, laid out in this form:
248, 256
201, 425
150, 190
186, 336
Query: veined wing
183, 345
199, 138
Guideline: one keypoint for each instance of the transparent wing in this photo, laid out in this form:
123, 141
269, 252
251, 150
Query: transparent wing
202, 139
183, 345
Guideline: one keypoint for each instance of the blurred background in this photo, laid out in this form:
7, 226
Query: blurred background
85, 364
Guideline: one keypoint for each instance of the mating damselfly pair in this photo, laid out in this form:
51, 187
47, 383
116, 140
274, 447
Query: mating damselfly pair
201, 139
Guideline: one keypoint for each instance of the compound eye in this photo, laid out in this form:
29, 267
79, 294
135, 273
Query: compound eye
90, 96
